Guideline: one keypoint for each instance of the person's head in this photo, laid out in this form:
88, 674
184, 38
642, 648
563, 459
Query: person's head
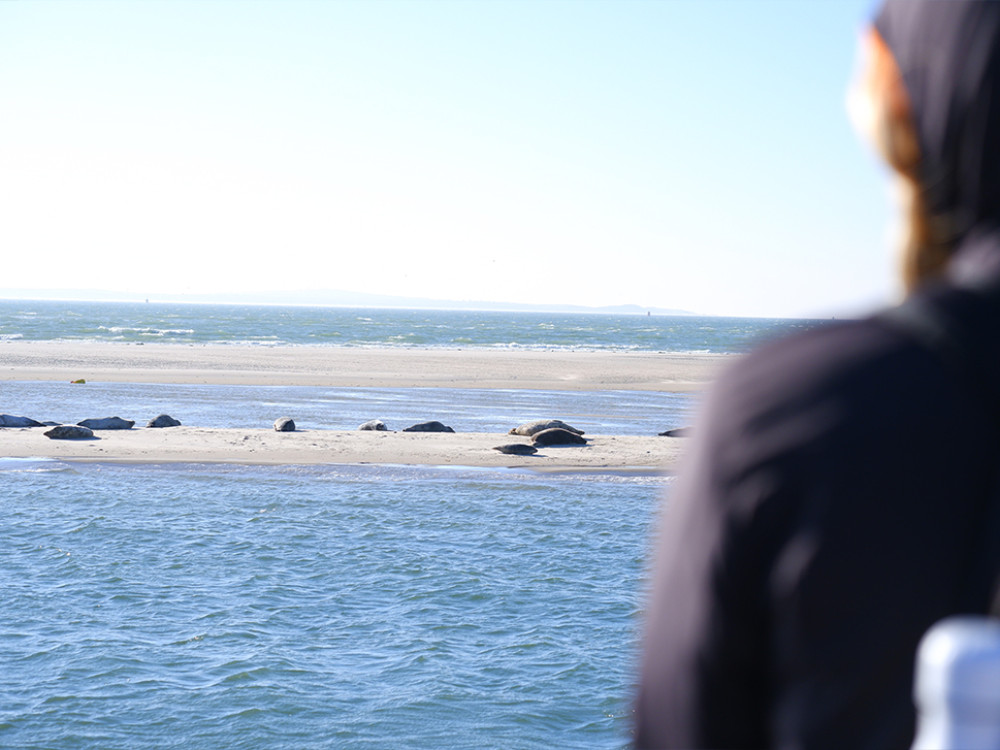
927, 96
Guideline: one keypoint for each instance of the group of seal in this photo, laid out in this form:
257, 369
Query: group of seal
84, 429
287, 424
543, 432
530, 429
556, 432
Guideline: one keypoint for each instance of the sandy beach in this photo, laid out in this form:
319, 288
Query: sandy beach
345, 367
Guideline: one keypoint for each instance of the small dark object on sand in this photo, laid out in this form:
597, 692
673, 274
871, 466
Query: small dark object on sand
517, 449
428, 427
164, 420
284, 424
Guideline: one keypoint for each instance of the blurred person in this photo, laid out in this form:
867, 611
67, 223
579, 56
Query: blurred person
838, 495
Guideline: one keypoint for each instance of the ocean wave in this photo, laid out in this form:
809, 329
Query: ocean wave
31, 465
147, 330
369, 328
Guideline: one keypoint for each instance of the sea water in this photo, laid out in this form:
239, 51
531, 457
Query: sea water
207, 606
310, 607
137, 322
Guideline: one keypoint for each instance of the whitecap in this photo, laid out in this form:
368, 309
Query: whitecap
30, 465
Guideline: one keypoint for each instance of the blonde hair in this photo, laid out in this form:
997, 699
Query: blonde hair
880, 110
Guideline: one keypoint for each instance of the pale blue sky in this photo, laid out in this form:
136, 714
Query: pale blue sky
676, 154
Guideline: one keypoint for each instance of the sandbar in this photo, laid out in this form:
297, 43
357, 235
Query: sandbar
350, 367
612, 453
347, 367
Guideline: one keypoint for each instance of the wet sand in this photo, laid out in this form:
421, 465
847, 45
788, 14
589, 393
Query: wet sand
347, 367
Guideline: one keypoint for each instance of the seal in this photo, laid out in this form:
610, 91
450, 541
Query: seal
558, 436
676, 432
433, 426
517, 449
9, 420
107, 423
528, 429
69, 432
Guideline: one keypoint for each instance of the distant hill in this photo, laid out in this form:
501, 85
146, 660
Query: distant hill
333, 299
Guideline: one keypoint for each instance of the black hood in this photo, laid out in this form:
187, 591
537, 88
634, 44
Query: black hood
948, 52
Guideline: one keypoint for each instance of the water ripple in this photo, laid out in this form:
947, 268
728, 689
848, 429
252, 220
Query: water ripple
184, 606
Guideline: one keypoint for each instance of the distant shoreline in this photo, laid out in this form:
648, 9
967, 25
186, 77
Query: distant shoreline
334, 299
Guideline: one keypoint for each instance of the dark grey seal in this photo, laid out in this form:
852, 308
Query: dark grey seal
428, 427
164, 420
529, 429
107, 423
284, 424
69, 432
558, 436
374, 424
677, 432
517, 449
8, 420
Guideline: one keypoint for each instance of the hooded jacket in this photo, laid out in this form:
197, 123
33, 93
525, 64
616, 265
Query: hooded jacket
840, 494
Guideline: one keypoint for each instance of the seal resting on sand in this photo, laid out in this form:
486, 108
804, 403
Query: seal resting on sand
69, 432
374, 424
107, 423
284, 424
676, 432
164, 420
529, 429
433, 426
517, 449
9, 420
558, 436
